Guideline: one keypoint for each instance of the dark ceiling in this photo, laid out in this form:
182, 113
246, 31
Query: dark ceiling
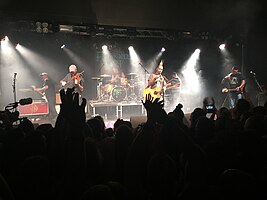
207, 15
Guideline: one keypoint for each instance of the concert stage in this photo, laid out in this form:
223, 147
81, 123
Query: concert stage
114, 110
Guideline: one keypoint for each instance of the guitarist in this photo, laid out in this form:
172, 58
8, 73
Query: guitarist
157, 83
235, 84
48, 91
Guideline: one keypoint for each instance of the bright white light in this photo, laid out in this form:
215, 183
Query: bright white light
222, 46
190, 73
134, 59
62, 46
163, 49
108, 61
6, 39
197, 51
18, 46
4, 42
5, 45
104, 47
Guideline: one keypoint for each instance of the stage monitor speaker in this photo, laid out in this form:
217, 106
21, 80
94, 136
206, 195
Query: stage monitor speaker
38, 107
136, 120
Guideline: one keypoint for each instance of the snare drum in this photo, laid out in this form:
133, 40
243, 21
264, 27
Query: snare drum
118, 93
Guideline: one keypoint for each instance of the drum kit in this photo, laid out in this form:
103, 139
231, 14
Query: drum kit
123, 90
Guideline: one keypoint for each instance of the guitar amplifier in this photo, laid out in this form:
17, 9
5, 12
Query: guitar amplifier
38, 107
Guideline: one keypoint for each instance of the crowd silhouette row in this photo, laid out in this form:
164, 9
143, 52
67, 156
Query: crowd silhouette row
219, 157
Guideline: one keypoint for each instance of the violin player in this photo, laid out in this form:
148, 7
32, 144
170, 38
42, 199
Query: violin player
73, 80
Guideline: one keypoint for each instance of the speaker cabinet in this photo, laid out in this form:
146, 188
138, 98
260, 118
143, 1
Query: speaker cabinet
38, 107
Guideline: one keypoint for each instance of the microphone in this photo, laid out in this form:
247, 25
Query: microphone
22, 102
253, 73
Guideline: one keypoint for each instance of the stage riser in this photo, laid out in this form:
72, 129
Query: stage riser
116, 111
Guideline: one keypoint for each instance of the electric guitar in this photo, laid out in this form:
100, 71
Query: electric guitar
39, 92
156, 91
226, 90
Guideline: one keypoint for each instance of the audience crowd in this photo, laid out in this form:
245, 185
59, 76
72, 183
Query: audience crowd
223, 156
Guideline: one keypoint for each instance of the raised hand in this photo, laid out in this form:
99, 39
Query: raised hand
154, 108
70, 110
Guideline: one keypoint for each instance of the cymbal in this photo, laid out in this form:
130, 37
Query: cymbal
105, 75
132, 74
95, 78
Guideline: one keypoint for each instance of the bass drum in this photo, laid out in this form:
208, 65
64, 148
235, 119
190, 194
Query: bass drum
118, 93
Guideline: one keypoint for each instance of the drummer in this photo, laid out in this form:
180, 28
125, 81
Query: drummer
117, 78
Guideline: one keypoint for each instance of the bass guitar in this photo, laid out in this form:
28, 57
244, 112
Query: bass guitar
226, 90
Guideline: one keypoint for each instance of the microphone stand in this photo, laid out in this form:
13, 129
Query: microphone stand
146, 72
14, 87
99, 84
261, 90
256, 81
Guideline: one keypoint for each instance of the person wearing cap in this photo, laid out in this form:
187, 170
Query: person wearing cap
73, 80
49, 94
234, 85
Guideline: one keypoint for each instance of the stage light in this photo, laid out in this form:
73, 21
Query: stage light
3, 39
45, 27
134, 59
5, 42
6, 39
42, 27
222, 46
66, 28
104, 47
44, 24
45, 30
197, 51
63, 46
163, 49
17, 46
38, 24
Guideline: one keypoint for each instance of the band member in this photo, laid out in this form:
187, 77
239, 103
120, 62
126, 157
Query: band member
174, 83
173, 88
48, 91
235, 84
117, 77
157, 82
73, 79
